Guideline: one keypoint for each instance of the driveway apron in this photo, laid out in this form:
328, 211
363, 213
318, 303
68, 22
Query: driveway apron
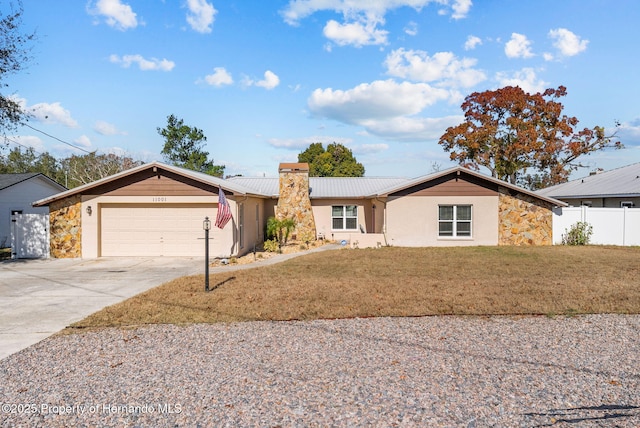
41, 297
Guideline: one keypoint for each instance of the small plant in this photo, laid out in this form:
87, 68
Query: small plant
271, 246
280, 230
579, 234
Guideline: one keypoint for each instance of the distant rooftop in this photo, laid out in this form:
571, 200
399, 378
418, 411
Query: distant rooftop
620, 182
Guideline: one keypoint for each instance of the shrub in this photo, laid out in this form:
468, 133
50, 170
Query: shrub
280, 230
271, 245
579, 234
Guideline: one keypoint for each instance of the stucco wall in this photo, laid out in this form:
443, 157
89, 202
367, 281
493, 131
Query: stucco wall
322, 214
412, 221
524, 220
66, 228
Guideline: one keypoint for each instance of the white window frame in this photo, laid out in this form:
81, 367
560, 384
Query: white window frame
455, 234
344, 217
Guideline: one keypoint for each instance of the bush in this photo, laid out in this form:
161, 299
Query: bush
579, 234
271, 246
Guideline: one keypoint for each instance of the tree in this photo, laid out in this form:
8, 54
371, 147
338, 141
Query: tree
14, 55
280, 230
511, 133
335, 161
19, 161
183, 147
88, 168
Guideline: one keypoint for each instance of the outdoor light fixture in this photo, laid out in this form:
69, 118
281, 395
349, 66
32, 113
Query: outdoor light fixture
89, 211
206, 225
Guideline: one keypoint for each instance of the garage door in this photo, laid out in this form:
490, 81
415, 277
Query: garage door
156, 230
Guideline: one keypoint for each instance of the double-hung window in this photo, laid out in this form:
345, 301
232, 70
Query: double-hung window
454, 221
344, 217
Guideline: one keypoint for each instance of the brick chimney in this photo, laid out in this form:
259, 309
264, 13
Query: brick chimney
293, 201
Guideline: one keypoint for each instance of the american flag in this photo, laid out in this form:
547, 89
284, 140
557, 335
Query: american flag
224, 211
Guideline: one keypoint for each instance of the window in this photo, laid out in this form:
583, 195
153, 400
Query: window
454, 221
344, 217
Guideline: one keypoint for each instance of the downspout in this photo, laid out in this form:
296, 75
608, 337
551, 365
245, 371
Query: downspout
384, 220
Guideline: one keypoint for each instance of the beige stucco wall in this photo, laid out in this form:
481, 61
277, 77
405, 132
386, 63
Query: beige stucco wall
322, 215
66, 228
412, 221
226, 238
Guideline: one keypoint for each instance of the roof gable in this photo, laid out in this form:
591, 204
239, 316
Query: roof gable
8, 180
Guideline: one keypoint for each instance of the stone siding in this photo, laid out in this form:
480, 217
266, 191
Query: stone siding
294, 200
66, 228
523, 220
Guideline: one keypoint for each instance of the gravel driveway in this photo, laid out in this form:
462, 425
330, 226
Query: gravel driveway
431, 371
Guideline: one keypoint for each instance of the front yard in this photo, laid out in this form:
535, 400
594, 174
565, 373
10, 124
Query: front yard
554, 280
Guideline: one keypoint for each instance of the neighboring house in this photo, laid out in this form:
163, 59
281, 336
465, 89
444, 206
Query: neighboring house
607, 201
158, 210
616, 188
17, 193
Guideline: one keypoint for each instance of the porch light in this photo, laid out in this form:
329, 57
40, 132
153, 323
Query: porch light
89, 211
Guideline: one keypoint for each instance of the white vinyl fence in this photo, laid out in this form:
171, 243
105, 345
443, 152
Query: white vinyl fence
611, 226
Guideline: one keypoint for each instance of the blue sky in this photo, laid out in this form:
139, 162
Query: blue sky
264, 79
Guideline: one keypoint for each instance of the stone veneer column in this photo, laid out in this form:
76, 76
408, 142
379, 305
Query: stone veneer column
294, 202
523, 220
66, 228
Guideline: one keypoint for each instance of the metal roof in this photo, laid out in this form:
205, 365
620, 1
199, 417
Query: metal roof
620, 182
324, 187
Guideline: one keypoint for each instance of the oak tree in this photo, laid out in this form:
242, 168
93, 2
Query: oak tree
335, 161
183, 147
522, 138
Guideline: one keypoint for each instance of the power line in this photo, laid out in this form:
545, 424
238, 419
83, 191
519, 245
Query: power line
58, 139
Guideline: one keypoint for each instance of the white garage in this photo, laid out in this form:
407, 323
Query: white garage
154, 210
153, 230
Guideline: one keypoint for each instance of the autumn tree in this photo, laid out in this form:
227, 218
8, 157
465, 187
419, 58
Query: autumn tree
14, 55
522, 138
183, 147
335, 161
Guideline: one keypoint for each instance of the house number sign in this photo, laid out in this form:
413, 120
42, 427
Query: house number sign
159, 199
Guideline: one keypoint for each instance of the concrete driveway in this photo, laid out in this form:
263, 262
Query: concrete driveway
41, 297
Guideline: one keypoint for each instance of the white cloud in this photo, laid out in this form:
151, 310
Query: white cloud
143, 63
443, 67
106, 128
28, 141
567, 43
83, 141
116, 14
366, 149
270, 81
628, 132
525, 79
362, 18
460, 8
411, 28
356, 33
382, 99
472, 42
518, 47
297, 10
412, 129
219, 77
201, 15
304, 142
51, 113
